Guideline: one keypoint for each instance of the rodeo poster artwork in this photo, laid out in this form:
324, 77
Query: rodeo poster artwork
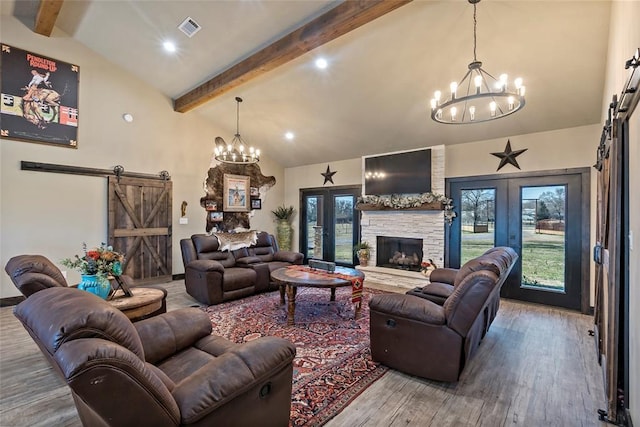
39, 98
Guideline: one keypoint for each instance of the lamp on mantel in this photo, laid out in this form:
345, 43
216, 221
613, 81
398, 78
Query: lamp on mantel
478, 97
236, 152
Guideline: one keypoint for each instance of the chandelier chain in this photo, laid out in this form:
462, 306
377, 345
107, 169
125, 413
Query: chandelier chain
475, 24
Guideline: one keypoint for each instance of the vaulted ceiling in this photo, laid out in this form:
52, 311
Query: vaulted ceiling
374, 96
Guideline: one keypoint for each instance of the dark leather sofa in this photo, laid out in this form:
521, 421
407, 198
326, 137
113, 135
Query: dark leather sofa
213, 276
435, 340
167, 370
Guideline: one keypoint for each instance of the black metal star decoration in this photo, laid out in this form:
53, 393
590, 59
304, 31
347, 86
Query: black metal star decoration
328, 175
509, 156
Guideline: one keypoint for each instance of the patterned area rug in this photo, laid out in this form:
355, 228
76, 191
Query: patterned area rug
333, 363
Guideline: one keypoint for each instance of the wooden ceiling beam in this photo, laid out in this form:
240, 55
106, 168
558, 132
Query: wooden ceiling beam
336, 22
47, 16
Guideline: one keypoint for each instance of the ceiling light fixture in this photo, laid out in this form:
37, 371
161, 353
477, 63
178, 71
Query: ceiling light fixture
169, 46
236, 152
479, 97
321, 63
289, 135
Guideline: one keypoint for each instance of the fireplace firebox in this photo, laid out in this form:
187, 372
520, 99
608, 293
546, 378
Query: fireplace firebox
399, 252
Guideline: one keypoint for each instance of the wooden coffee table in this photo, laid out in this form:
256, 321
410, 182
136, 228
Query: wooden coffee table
145, 302
290, 279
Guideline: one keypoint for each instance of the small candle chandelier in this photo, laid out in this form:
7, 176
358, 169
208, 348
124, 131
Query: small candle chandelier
479, 97
236, 152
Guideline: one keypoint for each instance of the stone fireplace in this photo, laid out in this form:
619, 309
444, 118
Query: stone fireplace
399, 252
428, 226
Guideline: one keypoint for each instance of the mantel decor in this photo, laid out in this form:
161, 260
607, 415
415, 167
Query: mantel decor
424, 201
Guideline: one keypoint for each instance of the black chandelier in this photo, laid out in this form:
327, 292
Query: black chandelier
478, 97
236, 152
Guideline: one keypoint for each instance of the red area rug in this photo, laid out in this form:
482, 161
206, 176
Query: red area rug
333, 363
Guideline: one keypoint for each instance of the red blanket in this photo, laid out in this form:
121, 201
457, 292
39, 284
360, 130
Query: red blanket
357, 283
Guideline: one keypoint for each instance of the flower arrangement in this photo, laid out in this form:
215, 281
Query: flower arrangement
102, 260
426, 267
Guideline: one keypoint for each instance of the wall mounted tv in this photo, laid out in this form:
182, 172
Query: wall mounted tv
408, 172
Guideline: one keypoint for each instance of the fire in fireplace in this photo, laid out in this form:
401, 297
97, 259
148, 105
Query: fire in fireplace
398, 252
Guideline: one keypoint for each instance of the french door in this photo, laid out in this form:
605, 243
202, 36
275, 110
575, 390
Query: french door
544, 218
329, 224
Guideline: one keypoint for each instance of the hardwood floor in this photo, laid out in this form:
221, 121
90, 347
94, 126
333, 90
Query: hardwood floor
536, 367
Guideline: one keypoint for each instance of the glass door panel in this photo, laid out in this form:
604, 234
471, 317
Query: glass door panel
313, 226
477, 222
343, 228
543, 237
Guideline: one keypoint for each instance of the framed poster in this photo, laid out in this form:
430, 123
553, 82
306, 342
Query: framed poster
39, 98
236, 193
256, 204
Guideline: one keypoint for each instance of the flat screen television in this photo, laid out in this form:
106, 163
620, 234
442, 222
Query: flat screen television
408, 172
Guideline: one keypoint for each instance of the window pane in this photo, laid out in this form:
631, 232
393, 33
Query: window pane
314, 227
543, 237
477, 222
343, 229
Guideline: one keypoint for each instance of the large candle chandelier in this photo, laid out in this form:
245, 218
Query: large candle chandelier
478, 97
236, 152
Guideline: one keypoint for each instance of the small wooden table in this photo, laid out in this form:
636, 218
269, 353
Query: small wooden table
290, 279
145, 302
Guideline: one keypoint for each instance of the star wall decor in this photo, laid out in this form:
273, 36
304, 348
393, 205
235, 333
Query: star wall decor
508, 156
328, 175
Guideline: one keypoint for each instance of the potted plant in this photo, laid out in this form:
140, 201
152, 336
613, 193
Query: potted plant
363, 250
283, 228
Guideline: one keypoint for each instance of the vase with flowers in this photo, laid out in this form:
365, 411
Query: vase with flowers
426, 267
95, 267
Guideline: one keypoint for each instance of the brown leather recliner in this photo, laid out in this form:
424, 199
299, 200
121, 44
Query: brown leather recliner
213, 276
33, 273
420, 337
164, 371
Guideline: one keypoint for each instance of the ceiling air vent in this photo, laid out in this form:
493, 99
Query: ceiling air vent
189, 27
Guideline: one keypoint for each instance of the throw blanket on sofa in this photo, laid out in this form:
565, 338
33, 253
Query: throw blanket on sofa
233, 241
356, 282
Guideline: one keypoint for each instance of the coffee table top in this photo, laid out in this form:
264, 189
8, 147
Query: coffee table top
141, 297
321, 279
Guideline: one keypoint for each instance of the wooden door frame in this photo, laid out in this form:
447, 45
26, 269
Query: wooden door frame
585, 232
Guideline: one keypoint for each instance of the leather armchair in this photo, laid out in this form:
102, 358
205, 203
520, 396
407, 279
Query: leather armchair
33, 273
164, 371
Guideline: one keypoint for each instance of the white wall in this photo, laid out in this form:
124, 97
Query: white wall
624, 39
52, 214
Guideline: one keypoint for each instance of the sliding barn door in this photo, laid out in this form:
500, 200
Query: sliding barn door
140, 227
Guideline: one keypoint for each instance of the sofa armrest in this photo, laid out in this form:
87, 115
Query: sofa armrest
443, 275
408, 307
247, 261
231, 374
166, 334
205, 265
288, 256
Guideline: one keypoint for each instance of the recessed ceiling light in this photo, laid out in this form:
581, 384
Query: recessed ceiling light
289, 135
321, 63
169, 46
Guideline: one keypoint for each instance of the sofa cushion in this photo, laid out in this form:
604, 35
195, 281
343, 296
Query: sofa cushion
238, 278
